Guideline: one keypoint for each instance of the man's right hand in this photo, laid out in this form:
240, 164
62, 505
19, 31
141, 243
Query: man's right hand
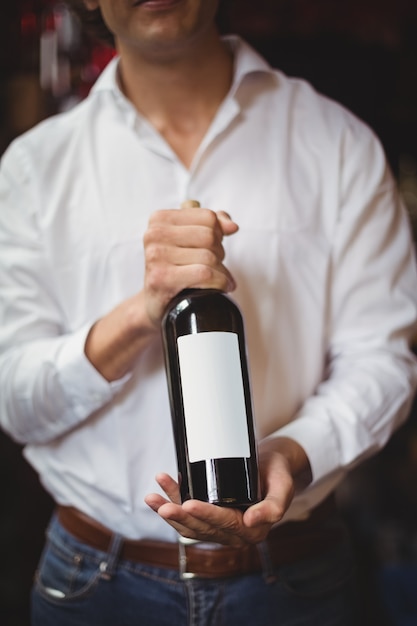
183, 248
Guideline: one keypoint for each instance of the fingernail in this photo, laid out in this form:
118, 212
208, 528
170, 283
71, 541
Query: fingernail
225, 215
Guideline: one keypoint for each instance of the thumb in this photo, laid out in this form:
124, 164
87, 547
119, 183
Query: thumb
267, 512
228, 226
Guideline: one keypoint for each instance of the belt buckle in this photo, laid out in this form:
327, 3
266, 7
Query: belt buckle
183, 542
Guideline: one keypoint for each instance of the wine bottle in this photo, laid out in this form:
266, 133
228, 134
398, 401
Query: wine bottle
210, 399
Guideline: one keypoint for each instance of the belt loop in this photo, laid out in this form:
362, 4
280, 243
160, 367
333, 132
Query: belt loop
183, 542
266, 562
108, 568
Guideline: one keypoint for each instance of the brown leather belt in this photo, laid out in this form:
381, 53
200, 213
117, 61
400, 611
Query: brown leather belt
287, 543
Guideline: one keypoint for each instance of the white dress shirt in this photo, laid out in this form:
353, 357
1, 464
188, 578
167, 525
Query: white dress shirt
323, 261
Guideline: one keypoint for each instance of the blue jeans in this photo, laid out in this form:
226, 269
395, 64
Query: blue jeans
76, 585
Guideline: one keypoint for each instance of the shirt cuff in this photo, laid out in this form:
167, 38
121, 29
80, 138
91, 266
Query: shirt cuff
85, 388
319, 442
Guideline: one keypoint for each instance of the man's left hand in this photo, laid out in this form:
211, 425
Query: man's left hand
281, 462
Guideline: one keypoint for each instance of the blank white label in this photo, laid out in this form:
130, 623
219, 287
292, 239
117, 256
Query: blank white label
213, 395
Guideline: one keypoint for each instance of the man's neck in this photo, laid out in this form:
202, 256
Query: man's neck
181, 95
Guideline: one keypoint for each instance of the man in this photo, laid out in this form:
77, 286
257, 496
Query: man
321, 263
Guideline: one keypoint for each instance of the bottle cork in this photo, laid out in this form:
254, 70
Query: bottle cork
190, 204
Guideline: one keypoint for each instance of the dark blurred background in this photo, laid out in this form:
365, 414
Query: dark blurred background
362, 53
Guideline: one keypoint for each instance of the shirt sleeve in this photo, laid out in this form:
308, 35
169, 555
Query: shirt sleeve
47, 384
371, 372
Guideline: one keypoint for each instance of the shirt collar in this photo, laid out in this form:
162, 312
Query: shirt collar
247, 61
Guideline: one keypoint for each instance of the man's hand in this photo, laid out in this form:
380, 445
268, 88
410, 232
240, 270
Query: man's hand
184, 249
282, 463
